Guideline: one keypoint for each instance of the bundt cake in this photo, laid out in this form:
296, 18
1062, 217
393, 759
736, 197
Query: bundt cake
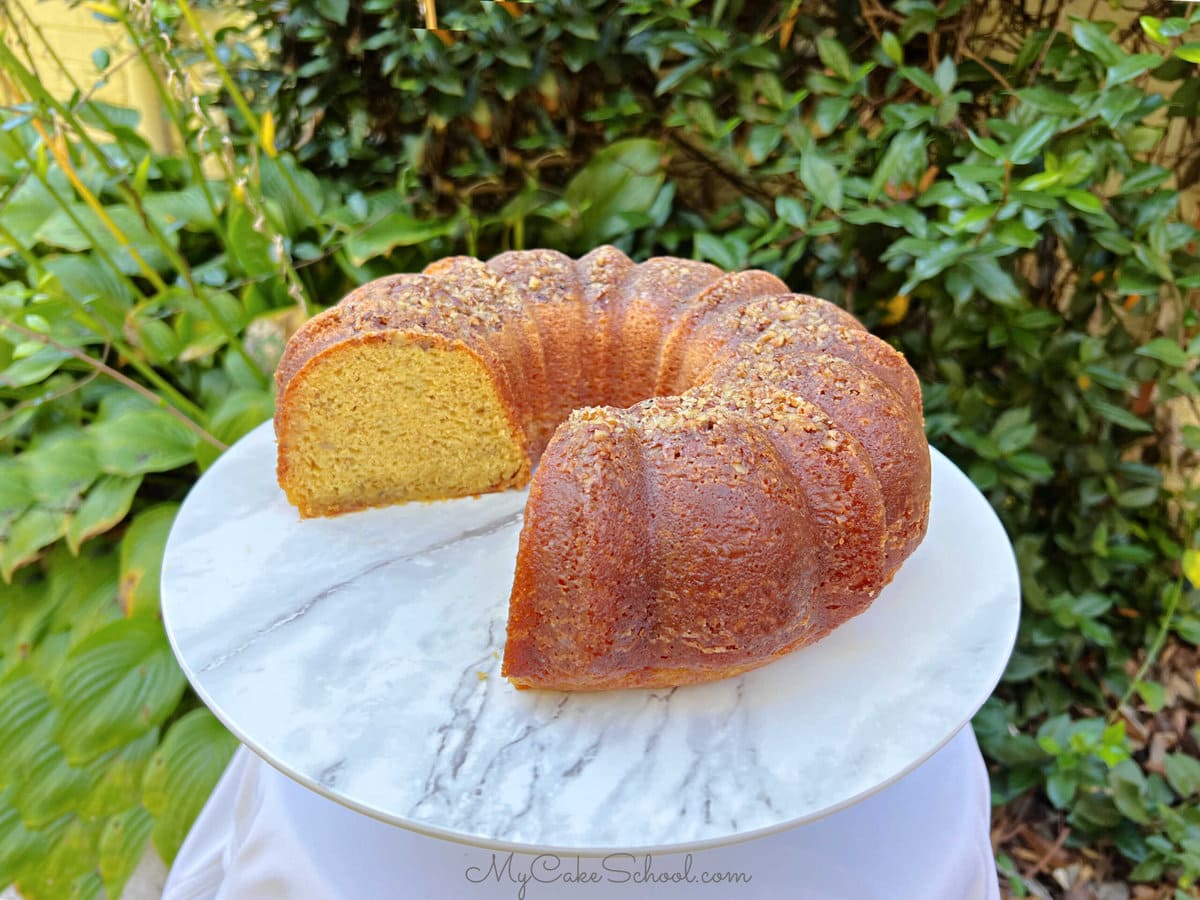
725, 471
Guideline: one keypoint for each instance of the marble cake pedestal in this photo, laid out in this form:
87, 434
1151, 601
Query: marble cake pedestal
359, 656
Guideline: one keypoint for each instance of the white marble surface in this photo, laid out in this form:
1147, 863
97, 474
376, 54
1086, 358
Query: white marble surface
360, 656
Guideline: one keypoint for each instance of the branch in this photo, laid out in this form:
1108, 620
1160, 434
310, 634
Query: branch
101, 366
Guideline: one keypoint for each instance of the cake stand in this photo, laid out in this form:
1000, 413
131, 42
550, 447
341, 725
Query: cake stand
360, 656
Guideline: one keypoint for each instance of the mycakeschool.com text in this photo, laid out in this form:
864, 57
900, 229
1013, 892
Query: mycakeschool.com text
524, 873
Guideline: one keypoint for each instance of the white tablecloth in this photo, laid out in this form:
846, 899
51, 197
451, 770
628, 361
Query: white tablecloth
262, 836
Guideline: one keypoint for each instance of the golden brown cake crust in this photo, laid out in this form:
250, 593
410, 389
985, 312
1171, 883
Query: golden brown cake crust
761, 473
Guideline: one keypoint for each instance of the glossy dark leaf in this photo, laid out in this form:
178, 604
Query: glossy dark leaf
396, 230
620, 181
1031, 140
1092, 38
1119, 416
822, 179
1165, 351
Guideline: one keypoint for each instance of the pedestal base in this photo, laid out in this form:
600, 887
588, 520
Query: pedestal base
262, 837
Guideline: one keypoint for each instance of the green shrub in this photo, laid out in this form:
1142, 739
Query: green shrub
495, 98
986, 189
143, 305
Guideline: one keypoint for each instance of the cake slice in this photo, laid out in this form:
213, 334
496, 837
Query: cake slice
399, 393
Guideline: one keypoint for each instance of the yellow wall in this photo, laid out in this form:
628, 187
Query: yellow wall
73, 33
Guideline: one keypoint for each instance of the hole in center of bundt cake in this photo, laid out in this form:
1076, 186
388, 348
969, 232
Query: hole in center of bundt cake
396, 420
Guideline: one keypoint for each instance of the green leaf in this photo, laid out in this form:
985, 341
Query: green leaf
188, 207
1164, 350
1031, 140
1191, 566
397, 230
37, 528
791, 211
335, 10
1015, 439
923, 80
122, 844
240, 412
1093, 39
141, 559
1117, 102
50, 786
1039, 181
973, 219
763, 140
182, 774
1177, 26
249, 250
1129, 791
88, 279
1189, 52
21, 848
87, 886
105, 505
993, 282
1015, 234
296, 192
821, 178
985, 145
1135, 279
1138, 497
1060, 788
82, 591
835, 58
66, 869
61, 230
1084, 201
891, 48
120, 786
143, 440
1152, 694
1119, 415
27, 718
723, 253
1047, 100
903, 162
61, 469
114, 686
1150, 869
1183, 774
946, 74
34, 368
831, 112
1131, 67
1031, 465
1146, 177
620, 182
15, 492
1152, 27
108, 116
201, 329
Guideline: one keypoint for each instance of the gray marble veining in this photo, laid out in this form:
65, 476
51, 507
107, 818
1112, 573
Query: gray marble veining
361, 656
